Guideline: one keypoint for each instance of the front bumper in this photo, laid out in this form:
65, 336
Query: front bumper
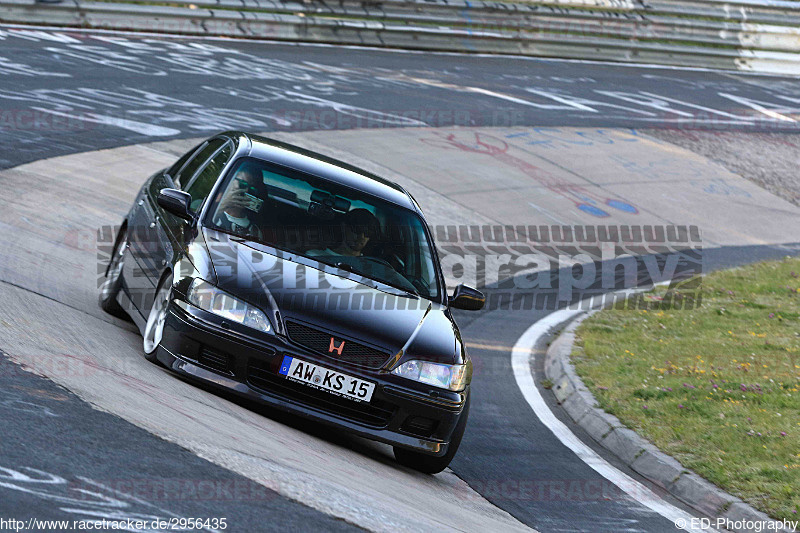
410, 415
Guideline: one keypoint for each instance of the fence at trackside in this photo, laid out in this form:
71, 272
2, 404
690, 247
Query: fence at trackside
754, 35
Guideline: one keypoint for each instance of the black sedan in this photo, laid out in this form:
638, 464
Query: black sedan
302, 282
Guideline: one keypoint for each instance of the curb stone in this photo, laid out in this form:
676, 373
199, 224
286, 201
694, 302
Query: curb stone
666, 472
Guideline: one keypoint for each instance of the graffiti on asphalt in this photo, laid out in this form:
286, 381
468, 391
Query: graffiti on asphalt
480, 143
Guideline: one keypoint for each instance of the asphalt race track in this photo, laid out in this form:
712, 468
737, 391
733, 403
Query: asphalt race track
166, 88
91, 430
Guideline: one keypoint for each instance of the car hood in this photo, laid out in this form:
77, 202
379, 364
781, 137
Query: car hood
336, 303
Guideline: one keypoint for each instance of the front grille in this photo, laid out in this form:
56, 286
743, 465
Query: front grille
220, 362
375, 413
320, 342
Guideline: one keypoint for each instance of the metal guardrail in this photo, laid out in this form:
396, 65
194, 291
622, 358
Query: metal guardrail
757, 35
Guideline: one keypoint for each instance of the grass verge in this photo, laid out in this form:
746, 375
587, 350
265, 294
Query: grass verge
717, 387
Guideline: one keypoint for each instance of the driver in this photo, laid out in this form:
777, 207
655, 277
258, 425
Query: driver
238, 209
359, 225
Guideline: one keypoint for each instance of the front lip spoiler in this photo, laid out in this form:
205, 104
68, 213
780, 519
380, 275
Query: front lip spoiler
191, 370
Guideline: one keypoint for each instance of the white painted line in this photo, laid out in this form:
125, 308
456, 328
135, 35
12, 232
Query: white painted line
757, 106
131, 125
520, 356
569, 102
507, 97
479, 90
358, 112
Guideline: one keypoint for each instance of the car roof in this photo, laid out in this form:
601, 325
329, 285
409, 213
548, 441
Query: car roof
328, 168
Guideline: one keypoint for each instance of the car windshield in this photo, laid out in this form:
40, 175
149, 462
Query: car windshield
332, 224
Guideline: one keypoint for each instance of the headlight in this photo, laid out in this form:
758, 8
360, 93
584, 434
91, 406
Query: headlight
453, 377
209, 298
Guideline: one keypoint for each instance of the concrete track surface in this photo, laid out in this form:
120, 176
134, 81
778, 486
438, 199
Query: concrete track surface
149, 427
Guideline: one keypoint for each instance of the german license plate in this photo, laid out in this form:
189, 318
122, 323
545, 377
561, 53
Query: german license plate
326, 379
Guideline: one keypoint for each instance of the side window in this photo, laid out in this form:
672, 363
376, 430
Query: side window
175, 169
197, 161
208, 176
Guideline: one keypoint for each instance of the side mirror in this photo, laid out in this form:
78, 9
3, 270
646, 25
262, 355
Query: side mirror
467, 298
177, 203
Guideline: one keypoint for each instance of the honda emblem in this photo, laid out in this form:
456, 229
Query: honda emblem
334, 348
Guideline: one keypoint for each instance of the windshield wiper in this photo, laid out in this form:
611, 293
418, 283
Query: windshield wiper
348, 267
410, 292
353, 270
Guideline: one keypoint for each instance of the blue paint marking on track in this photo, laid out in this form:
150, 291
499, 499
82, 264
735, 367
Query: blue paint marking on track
622, 206
592, 210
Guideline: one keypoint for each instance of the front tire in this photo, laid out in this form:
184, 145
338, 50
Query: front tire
113, 283
154, 330
430, 464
